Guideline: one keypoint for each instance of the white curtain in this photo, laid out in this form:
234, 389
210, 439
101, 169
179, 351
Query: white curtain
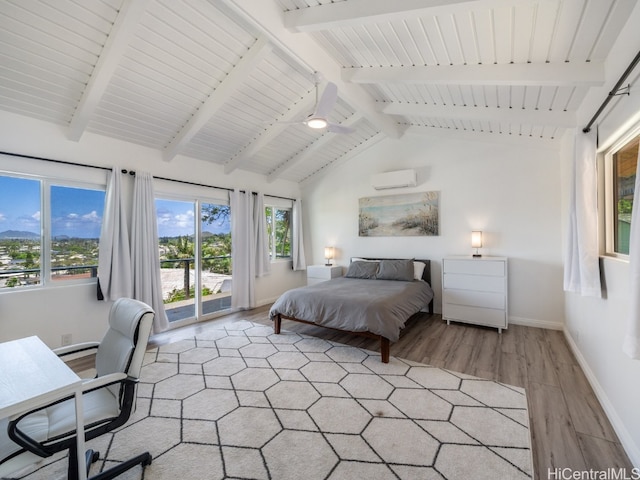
582, 267
243, 252
297, 249
631, 344
114, 258
147, 285
263, 259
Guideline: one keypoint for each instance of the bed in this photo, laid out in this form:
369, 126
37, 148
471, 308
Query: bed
374, 299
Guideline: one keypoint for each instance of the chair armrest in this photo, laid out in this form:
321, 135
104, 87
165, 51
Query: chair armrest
104, 380
76, 348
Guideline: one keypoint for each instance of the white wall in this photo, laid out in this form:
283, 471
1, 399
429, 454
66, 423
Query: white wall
509, 190
51, 312
595, 327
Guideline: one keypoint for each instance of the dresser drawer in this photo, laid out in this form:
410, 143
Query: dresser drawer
474, 299
481, 283
475, 267
481, 316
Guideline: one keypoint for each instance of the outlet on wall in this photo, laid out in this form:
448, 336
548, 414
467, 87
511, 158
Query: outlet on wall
66, 339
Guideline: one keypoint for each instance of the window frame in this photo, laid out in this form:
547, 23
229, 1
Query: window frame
199, 196
46, 182
608, 203
277, 204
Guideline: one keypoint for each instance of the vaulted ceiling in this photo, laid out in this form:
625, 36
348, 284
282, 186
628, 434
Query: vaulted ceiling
225, 81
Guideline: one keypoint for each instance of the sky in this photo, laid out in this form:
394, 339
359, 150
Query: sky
19, 204
77, 212
177, 218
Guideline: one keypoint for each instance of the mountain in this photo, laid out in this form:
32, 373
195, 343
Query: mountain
17, 234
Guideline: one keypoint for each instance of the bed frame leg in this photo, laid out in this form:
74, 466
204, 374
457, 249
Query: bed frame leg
277, 322
384, 350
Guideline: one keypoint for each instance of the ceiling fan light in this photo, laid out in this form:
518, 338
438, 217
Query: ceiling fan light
316, 122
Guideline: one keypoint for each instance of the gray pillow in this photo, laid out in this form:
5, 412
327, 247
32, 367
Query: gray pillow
360, 269
396, 270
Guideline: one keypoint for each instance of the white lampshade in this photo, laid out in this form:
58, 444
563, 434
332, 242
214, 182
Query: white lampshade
329, 253
476, 239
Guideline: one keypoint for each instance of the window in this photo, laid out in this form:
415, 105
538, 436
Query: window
620, 178
20, 227
279, 231
76, 220
48, 231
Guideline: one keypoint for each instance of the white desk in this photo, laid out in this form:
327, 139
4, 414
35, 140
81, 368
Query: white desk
32, 376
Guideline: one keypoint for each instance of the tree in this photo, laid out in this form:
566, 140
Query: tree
184, 247
283, 228
215, 213
624, 205
28, 260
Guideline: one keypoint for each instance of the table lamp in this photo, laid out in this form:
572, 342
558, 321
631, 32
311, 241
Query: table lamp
476, 242
328, 255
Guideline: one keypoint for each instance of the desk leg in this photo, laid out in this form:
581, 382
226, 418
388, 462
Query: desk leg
82, 463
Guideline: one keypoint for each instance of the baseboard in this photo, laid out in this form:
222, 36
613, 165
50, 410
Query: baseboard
267, 301
530, 322
630, 447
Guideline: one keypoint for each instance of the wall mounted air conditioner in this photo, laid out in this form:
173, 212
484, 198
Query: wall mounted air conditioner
397, 179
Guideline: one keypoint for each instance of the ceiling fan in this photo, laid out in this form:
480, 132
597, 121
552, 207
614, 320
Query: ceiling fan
318, 120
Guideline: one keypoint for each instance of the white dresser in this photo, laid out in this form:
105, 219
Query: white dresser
322, 273
475, 290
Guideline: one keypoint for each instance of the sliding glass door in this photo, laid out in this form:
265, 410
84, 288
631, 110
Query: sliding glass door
195, 258
176, 233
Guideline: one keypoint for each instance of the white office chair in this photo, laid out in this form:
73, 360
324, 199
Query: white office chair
108, 399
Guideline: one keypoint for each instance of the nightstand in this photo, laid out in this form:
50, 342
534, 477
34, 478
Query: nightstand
322, 273
475, 290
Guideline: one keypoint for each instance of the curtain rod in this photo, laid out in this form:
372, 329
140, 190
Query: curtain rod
11, 154
613, 92
213, 186
130, 172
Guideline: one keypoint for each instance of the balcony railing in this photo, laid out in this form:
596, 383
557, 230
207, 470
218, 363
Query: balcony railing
31, 276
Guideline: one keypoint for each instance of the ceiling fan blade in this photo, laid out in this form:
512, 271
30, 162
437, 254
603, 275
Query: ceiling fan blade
327, 100
335, 128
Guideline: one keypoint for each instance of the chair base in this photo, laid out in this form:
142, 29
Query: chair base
92, 456
143, 460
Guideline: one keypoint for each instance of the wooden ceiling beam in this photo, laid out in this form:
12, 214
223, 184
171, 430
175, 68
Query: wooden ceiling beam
588, 74
357, 12
300, 111
267, 16
564, 119
307, 152
219, 97
360, 148
117, 42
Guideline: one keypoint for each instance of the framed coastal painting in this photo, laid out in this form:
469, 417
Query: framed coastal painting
411, 214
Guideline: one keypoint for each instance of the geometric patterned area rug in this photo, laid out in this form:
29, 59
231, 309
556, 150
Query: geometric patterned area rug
240, 402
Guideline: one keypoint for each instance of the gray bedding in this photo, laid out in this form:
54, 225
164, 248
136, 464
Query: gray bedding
377, 306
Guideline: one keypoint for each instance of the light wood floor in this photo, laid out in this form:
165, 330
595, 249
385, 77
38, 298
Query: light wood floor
569, 428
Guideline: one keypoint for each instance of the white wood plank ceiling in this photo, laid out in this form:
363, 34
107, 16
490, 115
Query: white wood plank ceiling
218, 80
